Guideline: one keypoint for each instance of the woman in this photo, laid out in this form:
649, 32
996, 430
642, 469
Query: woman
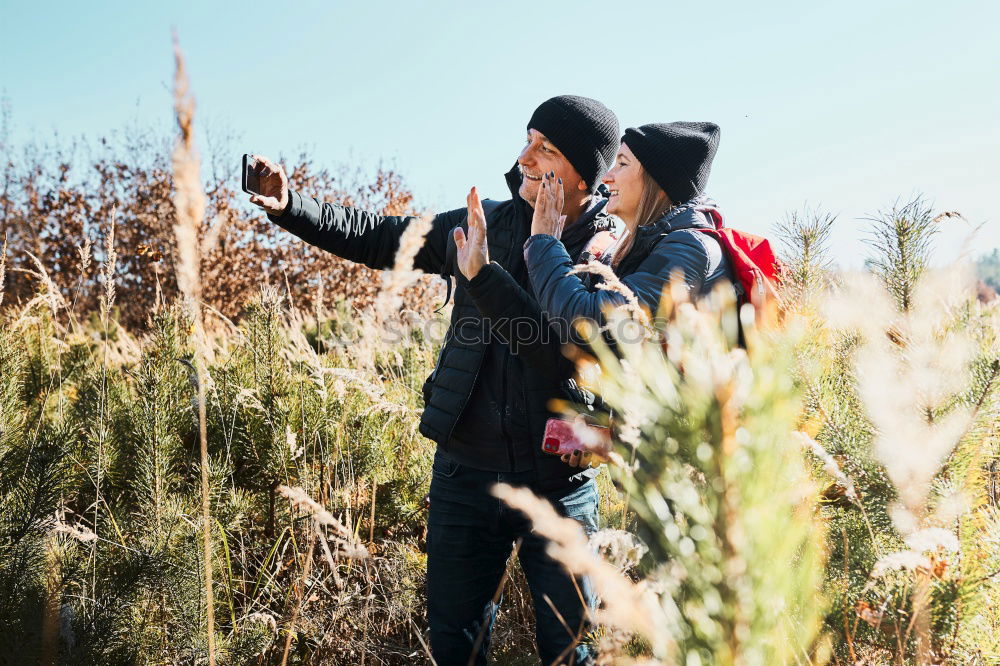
657, 189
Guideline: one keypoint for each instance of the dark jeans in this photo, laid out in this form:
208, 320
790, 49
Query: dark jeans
470, 537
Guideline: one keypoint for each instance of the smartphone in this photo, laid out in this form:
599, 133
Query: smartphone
251, 178
561, 437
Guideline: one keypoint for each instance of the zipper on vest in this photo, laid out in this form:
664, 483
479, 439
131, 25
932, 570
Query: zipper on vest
505, 415
514, 261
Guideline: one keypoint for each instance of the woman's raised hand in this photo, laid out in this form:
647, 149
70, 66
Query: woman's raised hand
473, 251
548, 217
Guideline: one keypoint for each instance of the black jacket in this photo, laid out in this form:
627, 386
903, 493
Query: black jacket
669, 244
487, 401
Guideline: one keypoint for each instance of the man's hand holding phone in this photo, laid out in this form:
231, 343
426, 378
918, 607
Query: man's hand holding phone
266, 183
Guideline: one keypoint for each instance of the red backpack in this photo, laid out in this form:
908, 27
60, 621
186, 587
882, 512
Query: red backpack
756, 268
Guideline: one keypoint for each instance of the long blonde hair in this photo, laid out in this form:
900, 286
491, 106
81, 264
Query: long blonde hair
653, 204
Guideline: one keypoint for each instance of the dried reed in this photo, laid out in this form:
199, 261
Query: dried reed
830, 465
342, 535
910, 365
3, 267
611, 282
388, 303
108, 268
627, 606
189, 197
908, 369
189, 204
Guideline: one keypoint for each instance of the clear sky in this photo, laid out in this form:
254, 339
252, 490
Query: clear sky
842, 106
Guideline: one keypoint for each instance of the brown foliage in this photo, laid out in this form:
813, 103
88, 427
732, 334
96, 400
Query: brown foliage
52, 202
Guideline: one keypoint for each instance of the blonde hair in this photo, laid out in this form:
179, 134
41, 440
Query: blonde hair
653, 204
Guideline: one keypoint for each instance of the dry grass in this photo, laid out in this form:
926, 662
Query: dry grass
189, 204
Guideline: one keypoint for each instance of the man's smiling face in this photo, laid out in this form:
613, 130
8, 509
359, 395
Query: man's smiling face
537, 158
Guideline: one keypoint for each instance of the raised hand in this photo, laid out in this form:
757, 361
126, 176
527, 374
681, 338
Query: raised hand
273, 186
548, 217
473, 252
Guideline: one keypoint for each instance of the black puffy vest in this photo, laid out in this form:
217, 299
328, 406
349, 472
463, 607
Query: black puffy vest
448, 389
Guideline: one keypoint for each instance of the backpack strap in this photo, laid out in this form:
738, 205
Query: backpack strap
712, 214
451, 251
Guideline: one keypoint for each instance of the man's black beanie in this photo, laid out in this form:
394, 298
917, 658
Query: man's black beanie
677, 155
584, 130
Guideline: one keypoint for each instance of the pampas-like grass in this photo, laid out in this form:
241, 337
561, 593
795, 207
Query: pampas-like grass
47, 294
341, 534
189, 197
913, 359
908, 369
388, 302
611, 282
830, 465
108, 268
626, 605
189, 204
3, 268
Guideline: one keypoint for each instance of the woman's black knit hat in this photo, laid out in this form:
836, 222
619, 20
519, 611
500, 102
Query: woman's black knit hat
677, 155
583, 129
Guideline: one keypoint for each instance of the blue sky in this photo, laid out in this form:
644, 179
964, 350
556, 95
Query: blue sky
842, 106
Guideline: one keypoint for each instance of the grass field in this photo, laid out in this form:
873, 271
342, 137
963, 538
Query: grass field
201, 470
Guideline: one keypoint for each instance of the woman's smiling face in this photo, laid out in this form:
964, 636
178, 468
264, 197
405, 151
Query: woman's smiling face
625, 182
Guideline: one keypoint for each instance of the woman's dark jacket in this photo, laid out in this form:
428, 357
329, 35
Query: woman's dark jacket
485, 404
672, 243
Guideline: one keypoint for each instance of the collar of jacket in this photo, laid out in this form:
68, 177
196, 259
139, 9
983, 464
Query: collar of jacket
688, 215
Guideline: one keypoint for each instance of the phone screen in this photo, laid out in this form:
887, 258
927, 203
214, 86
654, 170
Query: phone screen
251, 179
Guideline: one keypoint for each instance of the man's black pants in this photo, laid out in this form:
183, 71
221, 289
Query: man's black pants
470, 537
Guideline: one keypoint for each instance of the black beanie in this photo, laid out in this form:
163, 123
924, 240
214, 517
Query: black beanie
583, 129
677, 155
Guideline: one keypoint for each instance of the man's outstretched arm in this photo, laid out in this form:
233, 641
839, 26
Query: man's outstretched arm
357, 235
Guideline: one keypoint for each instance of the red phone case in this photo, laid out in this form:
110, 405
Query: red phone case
560, 437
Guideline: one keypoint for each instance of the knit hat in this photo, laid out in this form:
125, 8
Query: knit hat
583, 129
677, 155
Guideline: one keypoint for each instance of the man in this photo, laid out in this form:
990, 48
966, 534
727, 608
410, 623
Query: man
486, 403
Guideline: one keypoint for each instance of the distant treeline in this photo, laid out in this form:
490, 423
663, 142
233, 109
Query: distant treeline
59, 207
